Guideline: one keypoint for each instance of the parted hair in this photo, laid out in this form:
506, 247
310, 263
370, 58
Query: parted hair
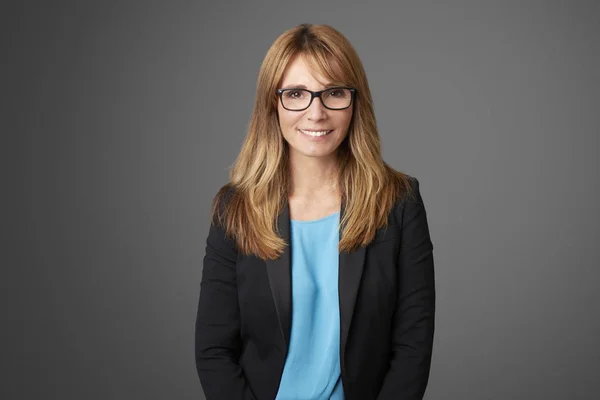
259, 184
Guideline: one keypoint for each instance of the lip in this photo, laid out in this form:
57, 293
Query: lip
316, 138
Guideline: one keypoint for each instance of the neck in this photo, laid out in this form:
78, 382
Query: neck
313, 176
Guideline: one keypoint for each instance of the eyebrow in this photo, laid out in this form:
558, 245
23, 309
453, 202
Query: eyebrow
294, 86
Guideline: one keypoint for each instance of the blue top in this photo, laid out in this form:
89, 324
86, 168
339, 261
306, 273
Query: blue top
312, 366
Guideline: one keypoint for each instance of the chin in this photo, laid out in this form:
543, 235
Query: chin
316, 154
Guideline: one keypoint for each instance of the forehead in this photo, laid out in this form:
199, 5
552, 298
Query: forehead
299, 72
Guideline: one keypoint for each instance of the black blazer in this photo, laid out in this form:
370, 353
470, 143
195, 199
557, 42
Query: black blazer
386, 300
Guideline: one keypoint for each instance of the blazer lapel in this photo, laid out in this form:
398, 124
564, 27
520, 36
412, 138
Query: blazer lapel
349, 277
280, 277
279, 272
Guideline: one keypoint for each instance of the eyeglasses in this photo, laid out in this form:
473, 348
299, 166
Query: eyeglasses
335, 98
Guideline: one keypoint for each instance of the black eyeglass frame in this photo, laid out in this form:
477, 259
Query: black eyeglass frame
318, 94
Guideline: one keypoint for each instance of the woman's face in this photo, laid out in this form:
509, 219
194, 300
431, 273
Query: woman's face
295, 124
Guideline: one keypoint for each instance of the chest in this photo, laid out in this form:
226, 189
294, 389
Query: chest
307, 210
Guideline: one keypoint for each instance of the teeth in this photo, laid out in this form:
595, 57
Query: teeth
314, 133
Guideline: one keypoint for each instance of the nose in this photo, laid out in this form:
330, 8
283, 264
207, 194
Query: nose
316, 111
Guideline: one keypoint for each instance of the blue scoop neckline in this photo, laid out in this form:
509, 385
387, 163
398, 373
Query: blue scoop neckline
311, 221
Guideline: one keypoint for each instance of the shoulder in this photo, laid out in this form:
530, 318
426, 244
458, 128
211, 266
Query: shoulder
221, 200
225, 193
410, 193
220, 237
413, 193
410, 202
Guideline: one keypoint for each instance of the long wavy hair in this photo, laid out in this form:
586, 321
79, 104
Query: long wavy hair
248, 206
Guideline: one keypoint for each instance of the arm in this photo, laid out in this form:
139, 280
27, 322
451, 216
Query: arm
218, 343
413, 323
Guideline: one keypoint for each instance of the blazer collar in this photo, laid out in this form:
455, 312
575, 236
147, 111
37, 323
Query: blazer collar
279, 272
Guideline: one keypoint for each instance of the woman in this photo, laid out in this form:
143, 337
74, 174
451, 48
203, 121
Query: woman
318, 277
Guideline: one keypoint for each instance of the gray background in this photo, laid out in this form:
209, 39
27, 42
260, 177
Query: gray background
120, 121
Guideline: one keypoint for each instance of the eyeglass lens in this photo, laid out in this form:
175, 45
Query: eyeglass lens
298, 99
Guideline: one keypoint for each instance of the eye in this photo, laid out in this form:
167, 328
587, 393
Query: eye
339, 93
293, 94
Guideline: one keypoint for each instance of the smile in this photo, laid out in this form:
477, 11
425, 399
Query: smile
316, 133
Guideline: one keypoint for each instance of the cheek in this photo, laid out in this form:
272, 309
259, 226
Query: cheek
345, 120
287, 119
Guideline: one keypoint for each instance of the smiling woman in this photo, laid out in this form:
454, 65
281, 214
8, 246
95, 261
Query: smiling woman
305, 117
318, 279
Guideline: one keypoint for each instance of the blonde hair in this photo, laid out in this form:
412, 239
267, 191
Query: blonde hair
247, 207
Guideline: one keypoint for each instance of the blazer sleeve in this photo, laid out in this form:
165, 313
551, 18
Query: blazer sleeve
413, 320
217, 334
